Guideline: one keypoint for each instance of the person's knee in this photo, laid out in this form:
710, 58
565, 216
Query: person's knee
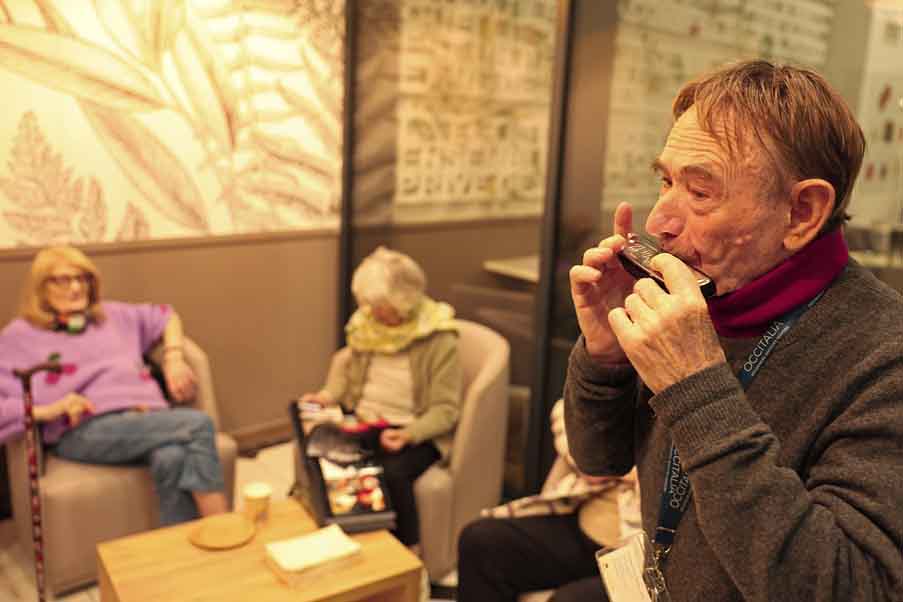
201, 423
482, 537
166, 462
399, 467
397, 471
393, 470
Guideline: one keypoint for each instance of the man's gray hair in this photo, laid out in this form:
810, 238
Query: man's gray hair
387, 276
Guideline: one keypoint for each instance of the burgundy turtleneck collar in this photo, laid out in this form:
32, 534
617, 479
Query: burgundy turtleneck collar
750, 310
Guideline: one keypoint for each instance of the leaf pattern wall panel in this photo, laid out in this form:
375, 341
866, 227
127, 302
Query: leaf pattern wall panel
168, 118
50, 189
48, 202
377, 90
660, 44
878, 196
473, 112
285, 62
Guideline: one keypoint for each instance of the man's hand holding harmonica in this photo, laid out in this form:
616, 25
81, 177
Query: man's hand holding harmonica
599, 285
667, 336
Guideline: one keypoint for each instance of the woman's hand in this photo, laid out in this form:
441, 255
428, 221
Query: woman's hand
73, 406
180, 379
393, 440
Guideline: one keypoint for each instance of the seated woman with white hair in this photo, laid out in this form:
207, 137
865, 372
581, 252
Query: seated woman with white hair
403, 372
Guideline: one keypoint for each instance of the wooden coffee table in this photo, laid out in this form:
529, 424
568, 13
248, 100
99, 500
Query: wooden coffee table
163, 566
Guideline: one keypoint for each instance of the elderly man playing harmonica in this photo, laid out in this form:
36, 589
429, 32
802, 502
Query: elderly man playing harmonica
767, 420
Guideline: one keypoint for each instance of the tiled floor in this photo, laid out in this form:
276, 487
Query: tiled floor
272, 465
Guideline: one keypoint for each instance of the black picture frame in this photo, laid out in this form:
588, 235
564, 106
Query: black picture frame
314, 490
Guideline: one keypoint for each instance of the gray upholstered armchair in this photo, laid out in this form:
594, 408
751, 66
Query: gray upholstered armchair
84, 504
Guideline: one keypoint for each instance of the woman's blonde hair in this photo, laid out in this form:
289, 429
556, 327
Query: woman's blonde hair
387, 276
34, 307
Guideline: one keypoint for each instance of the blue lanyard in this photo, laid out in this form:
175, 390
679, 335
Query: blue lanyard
676, 492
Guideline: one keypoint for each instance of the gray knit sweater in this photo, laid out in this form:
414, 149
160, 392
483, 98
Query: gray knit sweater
797, 482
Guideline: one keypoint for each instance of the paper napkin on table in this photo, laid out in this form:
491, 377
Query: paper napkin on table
323, 545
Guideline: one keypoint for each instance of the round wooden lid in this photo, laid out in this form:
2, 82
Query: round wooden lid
222, 531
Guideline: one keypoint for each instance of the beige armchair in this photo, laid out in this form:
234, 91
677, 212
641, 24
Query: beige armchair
449, 496
84, 504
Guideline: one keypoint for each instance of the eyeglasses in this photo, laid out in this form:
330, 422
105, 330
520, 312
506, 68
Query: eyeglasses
65, 280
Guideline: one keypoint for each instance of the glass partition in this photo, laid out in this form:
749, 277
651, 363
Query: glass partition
451, 120
493, 141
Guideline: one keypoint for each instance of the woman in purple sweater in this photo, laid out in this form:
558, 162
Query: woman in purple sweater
104, 407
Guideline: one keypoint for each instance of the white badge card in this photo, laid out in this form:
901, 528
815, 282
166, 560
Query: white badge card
630, 573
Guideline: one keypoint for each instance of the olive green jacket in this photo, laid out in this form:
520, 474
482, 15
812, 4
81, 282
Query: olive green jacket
436, 376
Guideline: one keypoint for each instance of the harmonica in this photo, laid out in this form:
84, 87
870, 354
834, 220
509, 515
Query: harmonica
637, 255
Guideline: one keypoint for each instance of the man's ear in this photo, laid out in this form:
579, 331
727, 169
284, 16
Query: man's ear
811, 204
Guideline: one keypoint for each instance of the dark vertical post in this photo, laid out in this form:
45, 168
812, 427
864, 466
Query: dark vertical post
6, 509
549, 242
347, 210
572, 222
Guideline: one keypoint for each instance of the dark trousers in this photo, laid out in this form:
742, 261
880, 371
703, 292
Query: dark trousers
498, 559
400, 470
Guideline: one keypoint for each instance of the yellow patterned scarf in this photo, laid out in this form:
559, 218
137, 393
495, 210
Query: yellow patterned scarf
367, 334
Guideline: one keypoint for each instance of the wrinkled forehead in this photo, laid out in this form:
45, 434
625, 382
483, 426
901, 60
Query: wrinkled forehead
725, 142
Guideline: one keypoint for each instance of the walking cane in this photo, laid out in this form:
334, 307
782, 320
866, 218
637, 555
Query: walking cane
37, 534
